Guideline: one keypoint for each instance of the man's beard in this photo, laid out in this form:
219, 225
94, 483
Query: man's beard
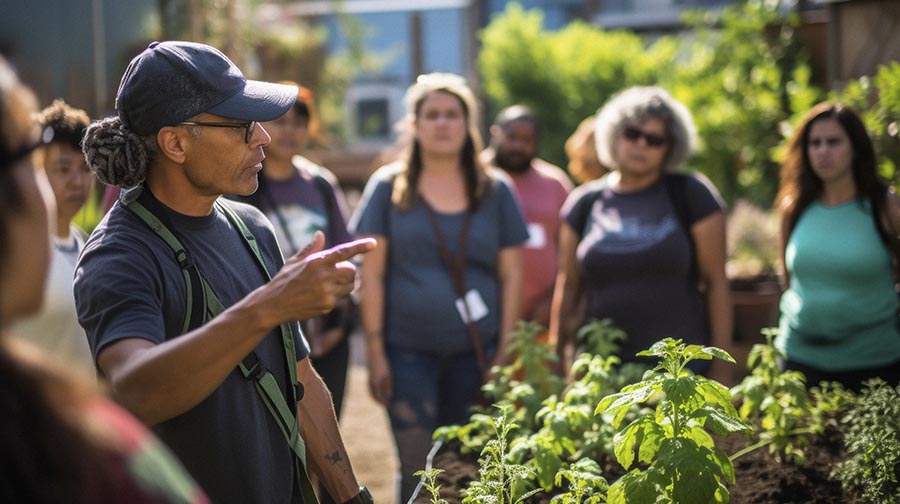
512, 164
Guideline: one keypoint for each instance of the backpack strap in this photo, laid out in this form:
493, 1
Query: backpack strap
676, 187
206, 305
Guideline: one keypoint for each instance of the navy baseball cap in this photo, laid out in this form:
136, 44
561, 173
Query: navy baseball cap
172, 81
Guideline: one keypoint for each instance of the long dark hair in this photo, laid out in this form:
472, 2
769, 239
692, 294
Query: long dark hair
474, 173
800, 186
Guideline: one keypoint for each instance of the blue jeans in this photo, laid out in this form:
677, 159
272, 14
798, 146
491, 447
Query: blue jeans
430, 390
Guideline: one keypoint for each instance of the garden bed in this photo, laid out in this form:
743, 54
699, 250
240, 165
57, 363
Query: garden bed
760, 478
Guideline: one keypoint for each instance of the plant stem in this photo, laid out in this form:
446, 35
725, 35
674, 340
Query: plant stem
764, 442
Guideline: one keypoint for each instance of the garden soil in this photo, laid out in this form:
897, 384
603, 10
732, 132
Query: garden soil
761, 477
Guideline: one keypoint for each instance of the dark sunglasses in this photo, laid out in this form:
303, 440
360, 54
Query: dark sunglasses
653, 140
249, 127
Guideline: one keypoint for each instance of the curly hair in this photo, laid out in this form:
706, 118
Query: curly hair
116, 154
406, 183
633, 106
68, 122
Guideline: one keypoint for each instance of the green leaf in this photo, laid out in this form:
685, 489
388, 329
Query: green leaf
719, 353
624, 443
725, 424
679, 390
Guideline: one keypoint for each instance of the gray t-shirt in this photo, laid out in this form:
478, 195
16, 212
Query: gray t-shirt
128, 285
298, 206
420, 309
635, 259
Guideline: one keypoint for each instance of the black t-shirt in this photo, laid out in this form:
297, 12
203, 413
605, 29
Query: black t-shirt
635, 259
128, 285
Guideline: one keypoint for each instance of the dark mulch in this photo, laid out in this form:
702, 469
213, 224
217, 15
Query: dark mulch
761, 478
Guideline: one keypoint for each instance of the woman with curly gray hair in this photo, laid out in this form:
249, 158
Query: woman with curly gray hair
645, 244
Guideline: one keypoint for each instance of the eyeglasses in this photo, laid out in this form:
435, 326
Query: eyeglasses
653, 140
249, 127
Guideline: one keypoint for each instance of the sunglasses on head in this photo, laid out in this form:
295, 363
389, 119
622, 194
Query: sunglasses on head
8, 159
634, 134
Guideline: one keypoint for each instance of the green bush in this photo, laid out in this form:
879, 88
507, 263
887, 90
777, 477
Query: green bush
743, 76
878, 101
872, 437
566, 75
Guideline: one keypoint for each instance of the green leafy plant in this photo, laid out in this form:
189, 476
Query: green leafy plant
568, 431
522, 385
775, 400
431, 486
529, 378
499, 482
873, 439
682, 461
586, 484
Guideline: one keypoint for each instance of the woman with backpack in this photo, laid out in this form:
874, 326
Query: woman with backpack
645, 244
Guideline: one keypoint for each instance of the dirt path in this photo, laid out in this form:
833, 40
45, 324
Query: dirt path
367, 433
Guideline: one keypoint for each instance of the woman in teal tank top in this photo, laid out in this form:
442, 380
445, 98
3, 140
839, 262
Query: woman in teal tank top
839, 225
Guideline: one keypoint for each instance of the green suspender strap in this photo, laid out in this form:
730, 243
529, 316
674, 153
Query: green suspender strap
251, 367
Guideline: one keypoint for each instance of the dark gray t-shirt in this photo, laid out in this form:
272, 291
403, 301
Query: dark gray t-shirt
307, 201
420, 310
635, 259
128, 285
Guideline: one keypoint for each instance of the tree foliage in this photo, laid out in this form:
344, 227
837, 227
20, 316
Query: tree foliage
743, 76
878, 100
564, 76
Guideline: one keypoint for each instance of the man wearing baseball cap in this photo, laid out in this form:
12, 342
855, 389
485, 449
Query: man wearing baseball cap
190, 311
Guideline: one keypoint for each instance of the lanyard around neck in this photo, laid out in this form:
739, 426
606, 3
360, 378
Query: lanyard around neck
456, 267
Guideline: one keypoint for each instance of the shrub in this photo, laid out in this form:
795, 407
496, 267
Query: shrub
873, 439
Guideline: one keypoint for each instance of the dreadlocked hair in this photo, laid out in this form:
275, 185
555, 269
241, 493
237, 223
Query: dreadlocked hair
117, 155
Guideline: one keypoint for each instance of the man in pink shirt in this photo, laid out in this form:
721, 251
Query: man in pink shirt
542, 189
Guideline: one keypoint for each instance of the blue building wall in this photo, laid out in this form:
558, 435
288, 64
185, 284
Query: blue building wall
51, 44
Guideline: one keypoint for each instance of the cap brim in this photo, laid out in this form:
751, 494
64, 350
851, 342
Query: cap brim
258, 101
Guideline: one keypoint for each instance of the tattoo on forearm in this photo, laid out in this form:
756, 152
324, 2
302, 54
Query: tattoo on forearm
334, 458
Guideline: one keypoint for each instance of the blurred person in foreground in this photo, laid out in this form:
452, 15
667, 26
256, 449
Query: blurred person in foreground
62, 441
55, 328
442, 289
839, 243
645, 244
190, 310
542, 189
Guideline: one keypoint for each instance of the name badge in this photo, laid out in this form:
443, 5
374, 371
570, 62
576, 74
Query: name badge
537, 237
477, 307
